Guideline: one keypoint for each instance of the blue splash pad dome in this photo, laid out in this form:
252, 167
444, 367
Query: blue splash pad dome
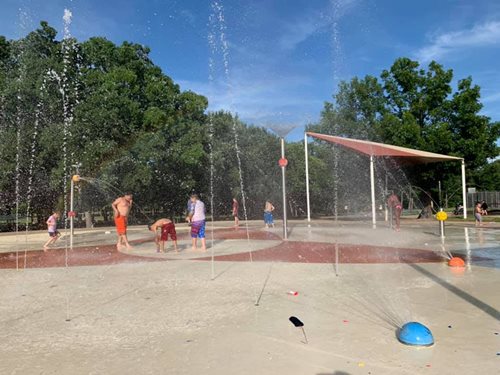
414, 333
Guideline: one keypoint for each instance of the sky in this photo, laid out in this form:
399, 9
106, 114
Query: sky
284, 58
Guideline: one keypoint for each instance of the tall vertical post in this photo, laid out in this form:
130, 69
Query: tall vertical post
440, 195
372, 185
464, 190
441, 227
386, 194
307, 181
468, 253
285, 231
71, 208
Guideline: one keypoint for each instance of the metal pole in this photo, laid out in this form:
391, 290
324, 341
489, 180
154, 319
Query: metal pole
71, 218
440, 199
464, 191
307, 181
372, 184
285, 231
441, 227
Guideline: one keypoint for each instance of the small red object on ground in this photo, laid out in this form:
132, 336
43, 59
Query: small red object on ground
283, 162
456, 262
72, 214
293, 293
345, 321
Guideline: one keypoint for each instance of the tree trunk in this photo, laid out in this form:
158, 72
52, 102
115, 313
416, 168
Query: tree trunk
88, 219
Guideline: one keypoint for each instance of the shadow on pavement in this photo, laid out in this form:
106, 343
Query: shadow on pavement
490, 310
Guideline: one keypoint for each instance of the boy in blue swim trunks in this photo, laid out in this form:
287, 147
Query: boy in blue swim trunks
197, 219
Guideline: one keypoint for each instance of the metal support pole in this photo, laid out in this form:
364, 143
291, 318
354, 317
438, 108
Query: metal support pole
372, 184
464, 190
307, 181
71, 218
285, 231
440, 195
441, 229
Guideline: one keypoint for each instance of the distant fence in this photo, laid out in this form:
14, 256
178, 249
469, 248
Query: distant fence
492, 198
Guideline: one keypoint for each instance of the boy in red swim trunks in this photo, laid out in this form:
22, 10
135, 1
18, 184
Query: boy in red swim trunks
121, 209
162, 228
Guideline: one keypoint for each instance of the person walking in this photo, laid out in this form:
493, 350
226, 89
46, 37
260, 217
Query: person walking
52, 229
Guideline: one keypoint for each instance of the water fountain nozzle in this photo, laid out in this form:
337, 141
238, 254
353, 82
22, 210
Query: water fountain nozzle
415, 334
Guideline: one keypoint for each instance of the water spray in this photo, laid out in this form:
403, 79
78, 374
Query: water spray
336, 259
282, 131
72, 213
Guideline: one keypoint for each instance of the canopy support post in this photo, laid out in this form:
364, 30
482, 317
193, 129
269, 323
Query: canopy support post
372, 185
307, 181
283, 178
464, 190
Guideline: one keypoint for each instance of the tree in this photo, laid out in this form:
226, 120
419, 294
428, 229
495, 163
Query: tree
127, 122
414, 107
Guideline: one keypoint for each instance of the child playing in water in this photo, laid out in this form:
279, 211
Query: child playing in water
197, 219
52, 229
395, 204
236, 207
478, 210
162, 228
268, 214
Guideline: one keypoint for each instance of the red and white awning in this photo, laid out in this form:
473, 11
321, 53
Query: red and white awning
383, 150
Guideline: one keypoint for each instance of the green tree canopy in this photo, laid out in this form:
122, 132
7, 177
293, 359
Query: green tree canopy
414, 107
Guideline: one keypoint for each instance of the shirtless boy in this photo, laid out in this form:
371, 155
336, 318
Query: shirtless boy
236, 207
162, 228
121, 208
478, 212
394, 202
